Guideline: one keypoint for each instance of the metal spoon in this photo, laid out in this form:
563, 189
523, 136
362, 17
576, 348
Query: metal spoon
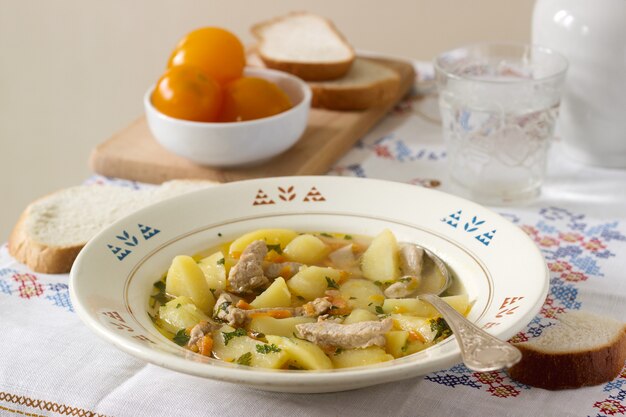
480, 351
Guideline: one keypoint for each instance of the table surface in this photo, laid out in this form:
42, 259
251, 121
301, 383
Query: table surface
52, 365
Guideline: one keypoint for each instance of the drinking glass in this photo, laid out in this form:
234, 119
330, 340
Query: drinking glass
499, 104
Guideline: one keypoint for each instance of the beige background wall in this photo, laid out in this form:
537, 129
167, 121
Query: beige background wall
72, 72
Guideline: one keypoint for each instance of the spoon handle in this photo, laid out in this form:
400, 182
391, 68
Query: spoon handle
480, 351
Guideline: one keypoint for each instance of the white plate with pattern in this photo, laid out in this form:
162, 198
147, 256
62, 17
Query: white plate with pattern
501, 269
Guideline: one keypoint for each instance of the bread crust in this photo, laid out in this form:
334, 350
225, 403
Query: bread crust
38, 256
308, 71
345, 98
556, 371
57, 259
354, 98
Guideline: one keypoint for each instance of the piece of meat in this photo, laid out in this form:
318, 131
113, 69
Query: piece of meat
340, 304
403, 288
200, 330
411, 260
283, 269
226, 311
247, 274
317, 307
347, 336
345, 259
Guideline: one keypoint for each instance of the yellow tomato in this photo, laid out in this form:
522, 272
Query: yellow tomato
217, 51
252, 98
187, 92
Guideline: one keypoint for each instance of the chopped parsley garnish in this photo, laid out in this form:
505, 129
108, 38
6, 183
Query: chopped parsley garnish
228, 336
405, 279
212, 291
326, 234
440, 326
378, 283
379, 310
405, 347
221, 261
224, 306
370, 304
161, 297
338, 351
348, 237
178, 305
181, 338
267, 348
331, 283
276, 248
245, 359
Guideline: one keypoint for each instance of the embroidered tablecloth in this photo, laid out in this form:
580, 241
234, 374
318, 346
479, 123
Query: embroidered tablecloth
52, 365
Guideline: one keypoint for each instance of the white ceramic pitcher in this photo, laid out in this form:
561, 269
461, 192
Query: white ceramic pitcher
592, 35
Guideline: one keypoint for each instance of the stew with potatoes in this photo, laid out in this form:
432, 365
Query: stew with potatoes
277, 298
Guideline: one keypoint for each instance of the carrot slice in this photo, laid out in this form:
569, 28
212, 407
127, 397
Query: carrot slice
413, 336
205, 346
286, 272
243, 305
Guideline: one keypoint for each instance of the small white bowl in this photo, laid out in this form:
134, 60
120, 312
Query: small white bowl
235, 143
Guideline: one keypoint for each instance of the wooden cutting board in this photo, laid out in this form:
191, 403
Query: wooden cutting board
135, 155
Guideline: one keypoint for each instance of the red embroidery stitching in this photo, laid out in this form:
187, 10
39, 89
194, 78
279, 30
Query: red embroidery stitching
29, 287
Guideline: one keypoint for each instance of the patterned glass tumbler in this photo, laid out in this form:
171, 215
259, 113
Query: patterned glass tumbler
499, 104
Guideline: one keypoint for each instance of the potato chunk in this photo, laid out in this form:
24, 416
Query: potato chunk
419, 325
214, 270
278, 327
358, 315
242, 347
458, 302
306, 249
362, 293
406, 305
313, 281
421, 308
185, 277
360, 357
302, 354
280, 237
380, 261
397, 342
180, 313
276, 295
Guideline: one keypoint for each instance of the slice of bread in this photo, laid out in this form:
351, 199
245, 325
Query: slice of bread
52, 230
367, 84
581, 349
305, 45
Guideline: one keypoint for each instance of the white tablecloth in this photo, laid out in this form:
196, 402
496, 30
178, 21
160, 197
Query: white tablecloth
52, 365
